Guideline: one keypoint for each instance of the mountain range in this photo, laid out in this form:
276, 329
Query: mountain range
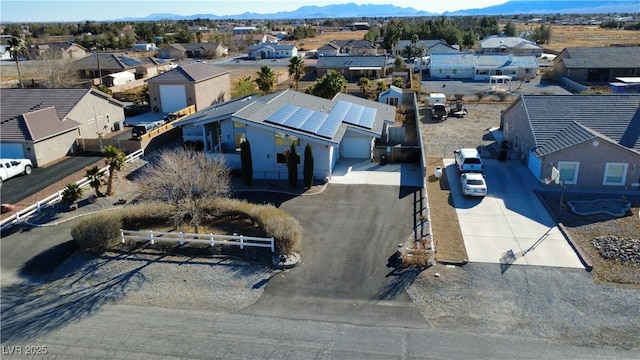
351, 10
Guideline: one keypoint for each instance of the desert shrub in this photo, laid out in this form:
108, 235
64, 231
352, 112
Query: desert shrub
503, 96
480, 95
98, 233
143, 213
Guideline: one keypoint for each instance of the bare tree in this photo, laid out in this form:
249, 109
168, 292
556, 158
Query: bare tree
186, 180
56, 72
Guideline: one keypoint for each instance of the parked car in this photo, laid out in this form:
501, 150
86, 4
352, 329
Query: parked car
473, 184
14, 167
143, 128
468, 160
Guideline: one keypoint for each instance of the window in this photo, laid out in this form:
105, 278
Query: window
294, 141
568, 171
280, 140
615, 174
239, 134
392, 101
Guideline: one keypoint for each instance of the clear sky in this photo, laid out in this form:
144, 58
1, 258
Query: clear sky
61, 10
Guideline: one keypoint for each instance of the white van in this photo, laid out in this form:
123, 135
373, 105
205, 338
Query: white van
468, 160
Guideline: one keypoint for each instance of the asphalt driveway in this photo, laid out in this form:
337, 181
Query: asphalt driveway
510, 225
350, 232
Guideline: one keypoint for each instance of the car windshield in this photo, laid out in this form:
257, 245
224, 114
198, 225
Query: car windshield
475, 182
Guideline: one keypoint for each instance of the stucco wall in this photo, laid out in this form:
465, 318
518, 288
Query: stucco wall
103, 113
209, 92
52, 149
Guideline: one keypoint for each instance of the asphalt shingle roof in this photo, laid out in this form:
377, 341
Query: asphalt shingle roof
345, 62
431, 46
561, 121
601, 57
195, 72
495, 42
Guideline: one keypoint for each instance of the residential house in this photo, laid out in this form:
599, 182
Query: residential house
508, 45
101, 65
210, 50
481, 66
353, 67
5, 54
592, 140
597, 64
427, 46
348, 47
145, 47
272, 51
64, 50
198, 84
44, 125
393, 96
254, 39
360, 26
244, 30
344, 127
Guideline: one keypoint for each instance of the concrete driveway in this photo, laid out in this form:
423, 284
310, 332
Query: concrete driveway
510, 226
365, 172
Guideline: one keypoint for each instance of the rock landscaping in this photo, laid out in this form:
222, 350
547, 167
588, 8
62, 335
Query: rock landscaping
618, 248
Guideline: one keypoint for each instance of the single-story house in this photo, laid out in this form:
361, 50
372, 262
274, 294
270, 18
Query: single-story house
101, 65
145, 47
348, 47
5, 54
428, 47
244, 29
508, 45
597, 64
210, 50
272, 51
254, 39
198, 84
353, 67
63, 50
344, 127
481, 66
625, 85
44, 125
360, 26
592, 140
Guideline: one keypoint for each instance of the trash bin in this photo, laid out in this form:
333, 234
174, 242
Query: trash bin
116, 126
383, 159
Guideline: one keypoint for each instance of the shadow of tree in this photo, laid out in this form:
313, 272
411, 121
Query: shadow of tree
399, 280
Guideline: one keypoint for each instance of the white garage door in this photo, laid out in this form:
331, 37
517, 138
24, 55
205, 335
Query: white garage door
11, 151
172, 98
356, 147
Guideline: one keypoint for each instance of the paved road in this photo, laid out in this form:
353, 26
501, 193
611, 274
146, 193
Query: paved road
16, 189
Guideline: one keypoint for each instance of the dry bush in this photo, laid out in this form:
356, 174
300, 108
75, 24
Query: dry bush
98, 233
144, 213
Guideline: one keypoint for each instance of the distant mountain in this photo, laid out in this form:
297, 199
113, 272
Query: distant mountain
352, 10
553, 7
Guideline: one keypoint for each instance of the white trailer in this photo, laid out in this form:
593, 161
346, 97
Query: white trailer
438, 106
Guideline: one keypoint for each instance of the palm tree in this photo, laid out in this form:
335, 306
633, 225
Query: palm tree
266, 79
115, 160
16, 49
365, 85
96, 179
296, 68
381, 86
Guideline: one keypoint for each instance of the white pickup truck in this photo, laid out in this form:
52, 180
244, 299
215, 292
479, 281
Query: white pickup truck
12, 167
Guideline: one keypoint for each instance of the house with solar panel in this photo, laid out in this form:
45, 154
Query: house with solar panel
482, 66
592, 140
343, 127
99, 66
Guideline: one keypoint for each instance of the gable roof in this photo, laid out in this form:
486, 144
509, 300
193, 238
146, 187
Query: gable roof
260, 110
471, 61
20, 116
431, 46
616, 117
194, 72
272, 46
193, 46
496, 42
600, 57
346, 62
115, 62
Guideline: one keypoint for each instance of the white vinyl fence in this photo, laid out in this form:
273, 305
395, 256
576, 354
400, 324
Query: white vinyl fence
27, 212
210, 239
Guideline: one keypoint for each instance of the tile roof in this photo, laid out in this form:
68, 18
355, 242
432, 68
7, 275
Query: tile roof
45, 123
431, 46
553, 119
600, 57
333, 62
195, 72
19, 102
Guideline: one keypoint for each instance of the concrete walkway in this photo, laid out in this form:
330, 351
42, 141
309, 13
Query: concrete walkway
510, 225
365, 172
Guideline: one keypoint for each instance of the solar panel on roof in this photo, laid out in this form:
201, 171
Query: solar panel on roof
314, 122
368, 118
353, 115
329, 127
298, 118
282, 114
